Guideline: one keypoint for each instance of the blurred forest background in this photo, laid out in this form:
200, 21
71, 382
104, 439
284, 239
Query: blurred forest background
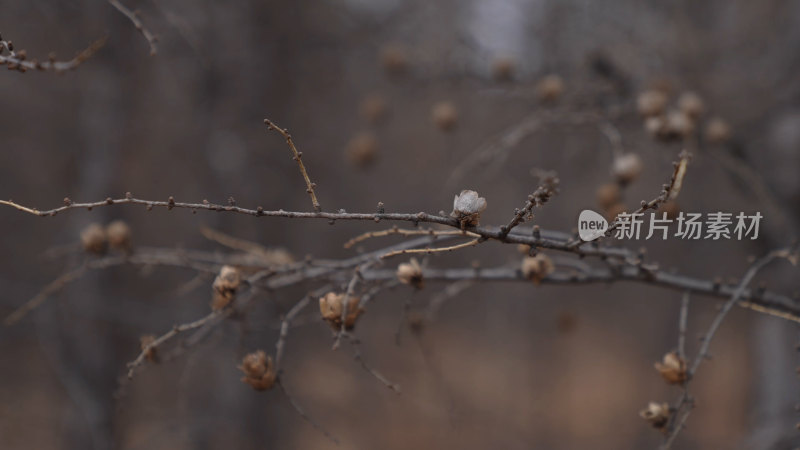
504, 365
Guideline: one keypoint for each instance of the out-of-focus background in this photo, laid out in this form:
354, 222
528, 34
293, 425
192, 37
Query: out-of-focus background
503, 366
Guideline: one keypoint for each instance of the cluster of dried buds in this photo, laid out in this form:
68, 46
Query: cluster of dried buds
680, 121
673, 369
225, 286
657, 415
331, 307
536, 268
411, 273
467, 208
259, 372
97, 239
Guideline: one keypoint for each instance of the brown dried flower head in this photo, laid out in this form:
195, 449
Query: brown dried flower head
362, 149
657, 414
672, 369
394, 59
503, 69
225, 286
550, 88
258, 370
467, 208
691, 104
150, 353
537, 267
717, 131
411, 273
614, 210
119, 236
627, 167
94, 239
331, 305
608, 194
374, 108
651, 102
444, 115
670, 207
679, 124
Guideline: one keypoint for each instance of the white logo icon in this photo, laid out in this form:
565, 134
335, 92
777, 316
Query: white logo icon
591, 225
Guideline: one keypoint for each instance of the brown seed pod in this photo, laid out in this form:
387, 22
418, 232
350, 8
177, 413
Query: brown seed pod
657, 414
717, 131
536, 268
651, 102
614, 210
94, 239
411, 273
330, 307
503, 69
374, 108
550, 88
394, 58
445, 116
608, 194
691, 104
671, 208
258, 370
119, 236
673, 368
679, 124
467, 208
627, 167
225, 286
362, 149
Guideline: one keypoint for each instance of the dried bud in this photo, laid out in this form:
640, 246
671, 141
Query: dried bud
94, 240
467, 208
717, 131
671, 208
549, 88
657, 127
614, 210
258, 370
537, 267
394, 58
225, 286
362, 149
673, 368
374, 108
608, 194
444, 115
330, 306
657, 414
410, 273
503, 69
651, 103
150, 353
627, 167
691, 104
119, 236
524, 249
679, 124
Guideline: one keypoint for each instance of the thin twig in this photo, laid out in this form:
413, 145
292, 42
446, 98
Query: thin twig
303, 414
433, 250
133, 16
17, 60
682, 323
298, 156
404, 232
